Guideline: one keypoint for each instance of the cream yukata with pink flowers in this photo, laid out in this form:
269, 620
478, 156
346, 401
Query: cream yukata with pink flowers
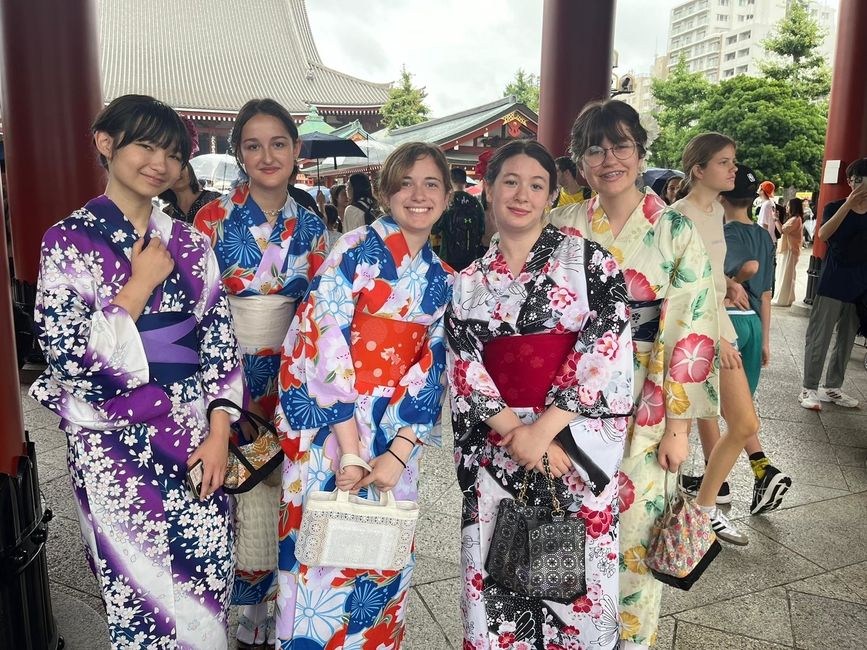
571, 287
674, 329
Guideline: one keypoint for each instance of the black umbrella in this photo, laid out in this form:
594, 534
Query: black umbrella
656, 178
324, 145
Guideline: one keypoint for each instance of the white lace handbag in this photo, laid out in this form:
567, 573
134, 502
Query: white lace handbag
339, 529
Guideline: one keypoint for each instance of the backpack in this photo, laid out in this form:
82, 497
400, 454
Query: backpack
464, 225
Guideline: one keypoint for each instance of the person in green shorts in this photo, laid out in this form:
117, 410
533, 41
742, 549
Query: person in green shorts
749, 269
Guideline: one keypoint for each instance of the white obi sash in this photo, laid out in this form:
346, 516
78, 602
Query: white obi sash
261, 321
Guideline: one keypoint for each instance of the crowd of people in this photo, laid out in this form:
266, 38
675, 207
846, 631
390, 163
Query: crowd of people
578, 332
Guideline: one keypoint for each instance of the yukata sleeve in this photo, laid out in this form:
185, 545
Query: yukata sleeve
317, 375
219, 354
97, 375
473, 394
418, 400
596, 379
686, 343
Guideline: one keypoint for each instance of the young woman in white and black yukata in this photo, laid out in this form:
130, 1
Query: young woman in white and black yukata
540, 362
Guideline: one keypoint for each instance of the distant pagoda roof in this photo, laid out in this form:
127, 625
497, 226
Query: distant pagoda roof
452, 128
215, 55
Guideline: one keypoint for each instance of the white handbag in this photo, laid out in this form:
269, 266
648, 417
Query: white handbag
339, 529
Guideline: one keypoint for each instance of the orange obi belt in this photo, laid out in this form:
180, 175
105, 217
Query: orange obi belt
523, 367
383, 350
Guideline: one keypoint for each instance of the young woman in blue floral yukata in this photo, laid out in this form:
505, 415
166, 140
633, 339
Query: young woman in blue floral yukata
268, 248
363, 373
132, 315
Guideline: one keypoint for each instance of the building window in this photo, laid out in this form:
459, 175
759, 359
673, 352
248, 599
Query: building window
723, 3
742, 3
729, 73
741, 69
722, 18
730, 56
731, 39
744, 36
744, 52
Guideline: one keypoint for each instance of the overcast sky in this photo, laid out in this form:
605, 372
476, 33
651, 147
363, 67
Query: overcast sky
464, 52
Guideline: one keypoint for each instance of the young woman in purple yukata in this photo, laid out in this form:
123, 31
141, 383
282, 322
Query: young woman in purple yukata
132, 315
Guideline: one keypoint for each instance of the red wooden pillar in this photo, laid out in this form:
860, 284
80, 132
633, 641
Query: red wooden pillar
846, 139
577, 46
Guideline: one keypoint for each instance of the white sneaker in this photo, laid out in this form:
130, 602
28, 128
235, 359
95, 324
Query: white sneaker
809, 399
837, 396
726, 531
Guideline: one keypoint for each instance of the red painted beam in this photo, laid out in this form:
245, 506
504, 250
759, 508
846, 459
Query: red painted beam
846, 139
577, 46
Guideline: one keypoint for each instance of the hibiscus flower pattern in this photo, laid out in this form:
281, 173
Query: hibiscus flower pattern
567, 285
163, 559
664, 262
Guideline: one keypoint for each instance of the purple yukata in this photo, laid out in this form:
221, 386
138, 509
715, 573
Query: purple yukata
133, 398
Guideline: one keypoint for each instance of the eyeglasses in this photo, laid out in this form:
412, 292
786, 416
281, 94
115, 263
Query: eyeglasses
595, 155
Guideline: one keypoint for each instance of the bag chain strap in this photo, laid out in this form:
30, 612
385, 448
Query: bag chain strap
557, 509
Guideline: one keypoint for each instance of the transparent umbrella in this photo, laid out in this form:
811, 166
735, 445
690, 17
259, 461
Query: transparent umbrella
216, 171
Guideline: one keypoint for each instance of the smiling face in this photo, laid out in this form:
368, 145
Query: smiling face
719, 172
613, 176
140, 169
421, 199
519, 194
268, 152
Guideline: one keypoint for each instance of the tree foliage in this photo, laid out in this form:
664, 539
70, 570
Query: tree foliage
405, 104
525, 86
778, 120
794, 56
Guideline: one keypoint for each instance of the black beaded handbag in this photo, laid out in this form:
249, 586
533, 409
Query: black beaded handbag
538, 551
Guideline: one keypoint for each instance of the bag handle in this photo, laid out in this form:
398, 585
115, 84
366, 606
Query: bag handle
251, 417
667, 511
386, 499
557, 508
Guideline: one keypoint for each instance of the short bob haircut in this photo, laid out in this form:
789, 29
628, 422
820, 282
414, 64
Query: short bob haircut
401, 160
259, 107
857, 168
607, 118
566, 164
140, 118
529, 148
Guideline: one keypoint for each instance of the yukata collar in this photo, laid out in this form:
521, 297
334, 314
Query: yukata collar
241, 195
540, 253
388, 230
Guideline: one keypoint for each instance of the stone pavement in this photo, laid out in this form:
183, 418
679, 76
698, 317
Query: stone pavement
800, 583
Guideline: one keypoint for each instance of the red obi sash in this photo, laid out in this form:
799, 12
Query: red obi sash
383, 349
524, 367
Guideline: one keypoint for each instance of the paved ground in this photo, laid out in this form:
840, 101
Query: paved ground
800, 583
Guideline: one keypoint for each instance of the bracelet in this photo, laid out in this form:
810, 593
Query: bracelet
397, 435
398, 457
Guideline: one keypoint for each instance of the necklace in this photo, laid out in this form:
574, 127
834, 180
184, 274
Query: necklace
271, 215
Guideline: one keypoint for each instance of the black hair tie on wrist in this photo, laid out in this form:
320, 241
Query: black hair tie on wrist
396, 456
397, 435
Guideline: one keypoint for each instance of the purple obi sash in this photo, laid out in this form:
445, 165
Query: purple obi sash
171, 345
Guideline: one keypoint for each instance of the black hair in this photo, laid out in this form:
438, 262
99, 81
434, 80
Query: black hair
361, 187
140, 118
260, 107
607, 118
530, 148
458, 175
857, 168
331, 217
566, 164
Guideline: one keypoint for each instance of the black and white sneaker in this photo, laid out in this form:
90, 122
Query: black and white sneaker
692, 484
768, 492
725, 530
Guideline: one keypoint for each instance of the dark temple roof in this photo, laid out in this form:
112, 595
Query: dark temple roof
214, 55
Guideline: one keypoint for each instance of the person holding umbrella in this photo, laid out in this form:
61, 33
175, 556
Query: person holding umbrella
268, 248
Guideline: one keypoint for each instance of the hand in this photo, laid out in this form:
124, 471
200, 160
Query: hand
214, 454
672, 451
558, 461
857, 199
349, 476
729, 357
525, 445
737, 295
766, 355
387, 471
151, 264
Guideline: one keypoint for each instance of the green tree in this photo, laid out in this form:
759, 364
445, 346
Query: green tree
793, 54
681, 99
780, 134
405, 104
524, 86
